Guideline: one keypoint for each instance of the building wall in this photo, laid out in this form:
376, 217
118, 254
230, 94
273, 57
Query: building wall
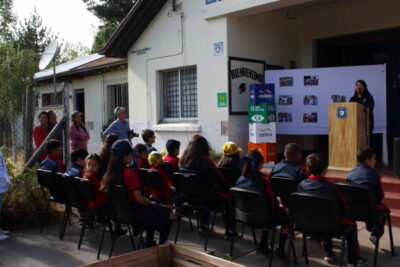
175, 40
95, 103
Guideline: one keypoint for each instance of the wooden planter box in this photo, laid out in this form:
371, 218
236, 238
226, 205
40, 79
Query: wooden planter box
165, 256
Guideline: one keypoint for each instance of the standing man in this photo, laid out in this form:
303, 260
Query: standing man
120, 126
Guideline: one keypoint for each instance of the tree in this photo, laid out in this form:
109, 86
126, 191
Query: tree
69, 51
7, 20
111, 13
31, 34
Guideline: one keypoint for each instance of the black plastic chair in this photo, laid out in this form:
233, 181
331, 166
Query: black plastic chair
230, 174
190, 195
118, 196
57, 194
361, 202
251, 208
283, 187
152, 179
316, 215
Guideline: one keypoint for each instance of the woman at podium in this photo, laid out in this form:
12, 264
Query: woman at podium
363, 96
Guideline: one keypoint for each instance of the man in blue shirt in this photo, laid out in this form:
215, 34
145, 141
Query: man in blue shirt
120, 126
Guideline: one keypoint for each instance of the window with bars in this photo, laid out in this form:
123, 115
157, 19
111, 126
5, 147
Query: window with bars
180, 93
51, 99
118, 97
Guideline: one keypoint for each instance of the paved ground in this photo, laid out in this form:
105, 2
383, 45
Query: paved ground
31, 248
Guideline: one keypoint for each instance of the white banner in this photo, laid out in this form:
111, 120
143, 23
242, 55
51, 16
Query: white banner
303, 95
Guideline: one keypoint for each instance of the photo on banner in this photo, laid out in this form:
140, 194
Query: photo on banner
242, 73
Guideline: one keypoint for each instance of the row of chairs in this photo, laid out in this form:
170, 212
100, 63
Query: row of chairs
311, 214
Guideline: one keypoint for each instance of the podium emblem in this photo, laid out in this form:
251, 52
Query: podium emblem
341, 112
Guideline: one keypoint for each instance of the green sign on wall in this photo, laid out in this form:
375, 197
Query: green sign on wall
262, 113
222, 100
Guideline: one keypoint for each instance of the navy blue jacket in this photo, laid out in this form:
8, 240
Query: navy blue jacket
289, 169
363, 174
319, 184
52, 164
257, 181
74, 170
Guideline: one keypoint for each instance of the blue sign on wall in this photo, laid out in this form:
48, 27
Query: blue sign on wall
210, 1
262, 93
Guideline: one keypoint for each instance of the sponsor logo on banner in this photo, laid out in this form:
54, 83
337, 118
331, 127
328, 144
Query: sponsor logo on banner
262, 132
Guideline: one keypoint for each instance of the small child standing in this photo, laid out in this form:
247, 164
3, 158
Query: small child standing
4, 184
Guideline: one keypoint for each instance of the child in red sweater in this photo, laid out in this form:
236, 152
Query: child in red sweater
155, 160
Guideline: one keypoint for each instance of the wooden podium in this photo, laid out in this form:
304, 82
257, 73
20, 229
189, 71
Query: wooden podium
348, 130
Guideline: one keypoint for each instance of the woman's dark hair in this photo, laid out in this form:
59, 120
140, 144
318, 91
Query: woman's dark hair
106, 150
114, 172
251, 162
81, 125
364, 84
197, 148
232, 161
43, 113
96, 158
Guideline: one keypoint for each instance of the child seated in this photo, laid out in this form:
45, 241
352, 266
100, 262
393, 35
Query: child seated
149, 139
230, 156
77, 166
253, 178
53, 162
156, 162
290, 167
141, 157
173, 152
364, 173
318, 165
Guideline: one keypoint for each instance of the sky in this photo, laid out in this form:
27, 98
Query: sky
69, 18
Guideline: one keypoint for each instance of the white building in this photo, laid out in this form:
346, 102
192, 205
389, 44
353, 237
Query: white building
175, 72
97, 85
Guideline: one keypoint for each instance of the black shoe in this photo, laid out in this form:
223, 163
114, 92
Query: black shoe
263, 249
121, 231
230, 234
330, 257
281, 254
373, 239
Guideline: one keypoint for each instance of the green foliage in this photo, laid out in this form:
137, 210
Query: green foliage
24, 204
111, 13
7, 20
215, 155
69, 51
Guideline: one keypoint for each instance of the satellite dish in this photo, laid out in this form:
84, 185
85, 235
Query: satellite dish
48, 54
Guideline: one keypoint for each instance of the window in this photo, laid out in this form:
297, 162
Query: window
180, 93
118, 97
49, 99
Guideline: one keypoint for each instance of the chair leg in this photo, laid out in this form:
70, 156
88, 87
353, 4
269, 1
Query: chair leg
342, 249
208, 233
253, 232
212, 222
131, 238
289, 247
42, 215
82, 234
232, 245
305, 248
178, 227
242, 229
190, 222
67, 213
117, 225
271, 255
294, 252
141, 241
107, 222
389, 220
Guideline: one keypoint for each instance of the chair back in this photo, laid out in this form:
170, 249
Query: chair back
188, 186
315, 213
249, 205
360, 200
118, 197
169, 168
70, 187
85, 189
151, 178
283, 187
52, 182
230, 174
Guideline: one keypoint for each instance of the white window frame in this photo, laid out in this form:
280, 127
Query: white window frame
162, 109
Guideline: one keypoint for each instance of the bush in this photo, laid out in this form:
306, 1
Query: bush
24, 203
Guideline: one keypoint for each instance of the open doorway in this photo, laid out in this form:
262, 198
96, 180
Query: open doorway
378, 47
79, 103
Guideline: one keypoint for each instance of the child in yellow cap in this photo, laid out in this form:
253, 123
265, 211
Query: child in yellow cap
230, 156
156, 161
